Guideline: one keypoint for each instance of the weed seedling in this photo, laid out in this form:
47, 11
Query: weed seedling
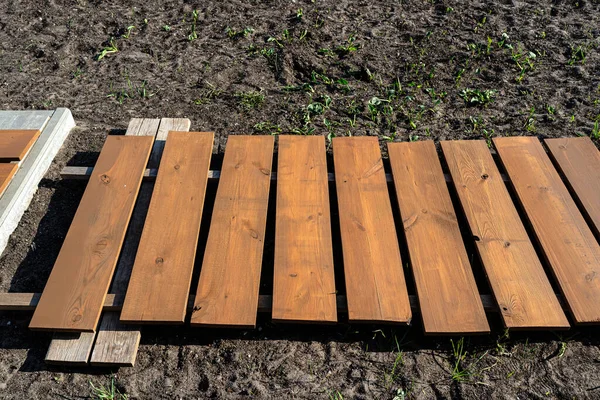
476, 97
459, 372
193, 34
578, 54
530, 122
107, 393
128, 31
251, 99
267, 127
347, 48
235, 34
111, 48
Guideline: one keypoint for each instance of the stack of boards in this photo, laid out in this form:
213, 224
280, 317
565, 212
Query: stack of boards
560, 205
14, 146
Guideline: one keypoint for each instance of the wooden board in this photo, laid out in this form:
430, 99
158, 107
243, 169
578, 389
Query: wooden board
160, 281
565, 238
304, 284
375, 285
227, 293
15, 143
7, 171
446, 288
517, 277
579, 161
73, 297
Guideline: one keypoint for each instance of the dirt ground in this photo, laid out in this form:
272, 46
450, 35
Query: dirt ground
401, 70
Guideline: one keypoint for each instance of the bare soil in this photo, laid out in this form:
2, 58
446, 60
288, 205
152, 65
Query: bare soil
399, 70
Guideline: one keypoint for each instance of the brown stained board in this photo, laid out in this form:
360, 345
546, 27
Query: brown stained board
524, 294
74, 294
14, 144
565, 238
579, 161
375, 285
304, 284
7, 171
227, 293
446, 288
160, 281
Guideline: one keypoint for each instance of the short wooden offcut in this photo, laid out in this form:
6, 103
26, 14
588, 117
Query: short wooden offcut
162, 273
375, 285
446, 288
524, 294
227, 293
304, 284
74, 294
566, 240
14, 144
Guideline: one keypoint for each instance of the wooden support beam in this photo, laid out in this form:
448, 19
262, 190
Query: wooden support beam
26, 302
72, 172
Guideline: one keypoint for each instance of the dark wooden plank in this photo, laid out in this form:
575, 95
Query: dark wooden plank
579, 161
375, 285
447, 292
14, 143
517, 277
7, 171
73, 297
565, 238
304, 284
160, 281
227, 293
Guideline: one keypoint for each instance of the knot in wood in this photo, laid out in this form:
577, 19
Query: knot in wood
105, 179
159, 260
265, 171
176, 166
484, 176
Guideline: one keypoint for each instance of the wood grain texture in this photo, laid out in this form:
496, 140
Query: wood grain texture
166, 125
7, 171
524, 294
160, 281
116, 344
72, 348
14, 144
227, 293
375, 285
579, 161
446, 288
304, 284
73, 297
565, 238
